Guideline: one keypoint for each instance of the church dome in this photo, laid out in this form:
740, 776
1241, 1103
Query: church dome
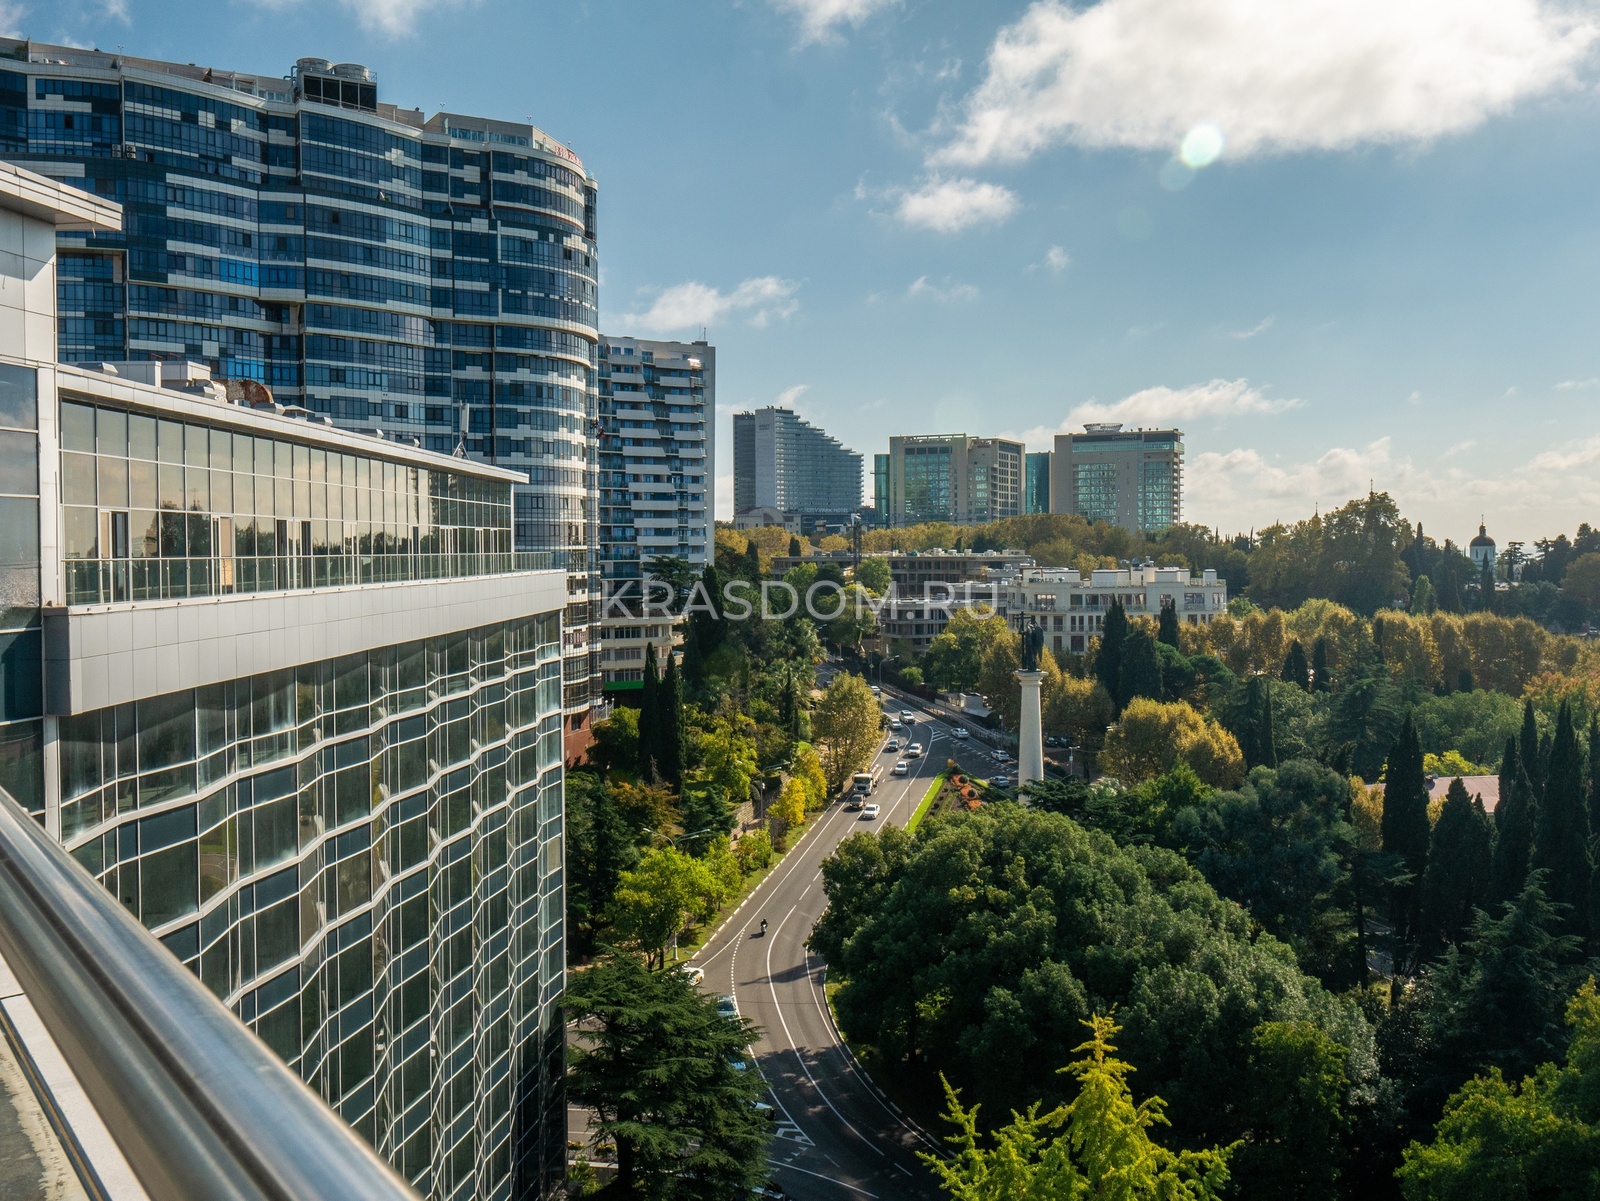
1483, 539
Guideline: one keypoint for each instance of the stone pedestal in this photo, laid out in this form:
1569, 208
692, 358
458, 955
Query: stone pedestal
1030, 730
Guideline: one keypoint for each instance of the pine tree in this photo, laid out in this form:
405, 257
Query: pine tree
1108, 659
1141, 668
1460, 857
1167, 629
650, 717
1528, 748
1321, 681
669, 731
1513, 829
1561, 833
1405, 827
1423, 601
1295, 668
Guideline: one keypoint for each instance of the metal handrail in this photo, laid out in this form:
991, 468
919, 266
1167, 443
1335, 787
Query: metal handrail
201, 1110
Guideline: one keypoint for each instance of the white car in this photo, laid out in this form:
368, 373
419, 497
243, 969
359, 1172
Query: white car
914, 751
869, 812
960, 732
892, 745
1000, 781
895, 725
694, 974
907, 715
902, 768
876, 691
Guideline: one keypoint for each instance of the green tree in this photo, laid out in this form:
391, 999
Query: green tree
616, 741
1295, 668
1405, 830
845, 728
1167, 626
650, 732
1423, 601
1540, 1139
1582, 579
1528, 749
794, 547
1321, 680
1257, 738
656, 900
1513, 824
1296, 1104
1280, 847
1561, 831
1108, 654
1456, 881
600, 847
1103, 1151
655, 1061
978, 946
1594, 773
874, 575
1140, 674
669, 727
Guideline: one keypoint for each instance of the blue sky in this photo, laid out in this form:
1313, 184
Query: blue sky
904, 216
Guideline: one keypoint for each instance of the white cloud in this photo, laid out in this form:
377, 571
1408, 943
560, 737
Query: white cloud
1568, 385
948, 206
821, 19
1271, 76
116, 10
1055, 260
1163, 406
1579, 454
789, 395
1260, 327
690, 305
11, 15
947, 291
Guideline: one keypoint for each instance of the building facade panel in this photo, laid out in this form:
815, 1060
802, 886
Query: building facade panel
953, 478
1130, 478
785, 465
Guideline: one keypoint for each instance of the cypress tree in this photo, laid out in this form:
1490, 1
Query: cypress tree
794, 547
1295, 668
1513, 829
1405, 826
650, 717
1450, 593
669, 731
1320, 679
1140, 673
1528, 748
1465, 682
1460, 857
1167, 629
752, 562
1256, 737
1108, 659
1594, 774
1486, 596
1267, 739
1561, 833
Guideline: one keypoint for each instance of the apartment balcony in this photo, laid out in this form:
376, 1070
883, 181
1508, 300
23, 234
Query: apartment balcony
127, 1080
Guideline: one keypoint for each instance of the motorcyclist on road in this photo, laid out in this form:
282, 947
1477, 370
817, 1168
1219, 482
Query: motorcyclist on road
763, 925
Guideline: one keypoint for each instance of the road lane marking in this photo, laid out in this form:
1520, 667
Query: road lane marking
854, 1188
773, 988
904, 1170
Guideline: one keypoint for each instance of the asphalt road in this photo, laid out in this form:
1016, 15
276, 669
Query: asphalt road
837, 1136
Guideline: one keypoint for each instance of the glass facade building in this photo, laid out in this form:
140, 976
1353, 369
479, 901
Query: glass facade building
1036, 498
292, 696
954, 478
1130, 478
433, 277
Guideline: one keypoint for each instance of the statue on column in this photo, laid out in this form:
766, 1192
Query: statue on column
1032, 645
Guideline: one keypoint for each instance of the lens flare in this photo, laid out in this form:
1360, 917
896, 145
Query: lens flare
1201, 146
1175, 175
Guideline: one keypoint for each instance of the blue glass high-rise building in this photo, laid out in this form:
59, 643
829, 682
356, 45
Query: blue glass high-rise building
432, 277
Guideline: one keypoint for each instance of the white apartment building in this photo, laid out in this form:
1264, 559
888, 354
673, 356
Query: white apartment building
1071, 607
657, 486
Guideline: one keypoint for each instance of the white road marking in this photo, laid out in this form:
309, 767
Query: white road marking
831, 1180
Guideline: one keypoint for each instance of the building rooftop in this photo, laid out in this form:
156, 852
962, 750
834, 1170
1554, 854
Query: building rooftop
67, 208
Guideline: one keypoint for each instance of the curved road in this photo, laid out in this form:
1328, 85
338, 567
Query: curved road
838, 1138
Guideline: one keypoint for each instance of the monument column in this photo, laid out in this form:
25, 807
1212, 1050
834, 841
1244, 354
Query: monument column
1030, 729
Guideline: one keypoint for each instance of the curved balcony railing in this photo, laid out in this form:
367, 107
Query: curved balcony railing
200, 1109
